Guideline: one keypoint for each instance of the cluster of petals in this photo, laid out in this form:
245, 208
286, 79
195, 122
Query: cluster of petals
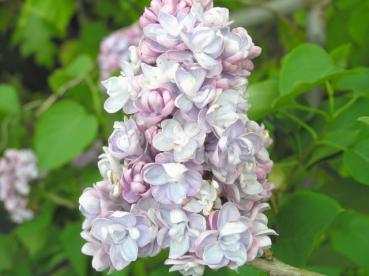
17, 169
186, 170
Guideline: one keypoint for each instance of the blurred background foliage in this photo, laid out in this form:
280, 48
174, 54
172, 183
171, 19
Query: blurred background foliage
310, 87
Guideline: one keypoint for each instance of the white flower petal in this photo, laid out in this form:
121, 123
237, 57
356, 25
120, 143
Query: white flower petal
129, 250
213, 254
193, 206
155, 174
238, 256
183, 154
183, 103
114, 104
162, 142
189, 82
231, 228
176, 192
169, 23
179, 247
174, 170
177, 216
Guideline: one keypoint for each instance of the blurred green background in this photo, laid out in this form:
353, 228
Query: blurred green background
310, 87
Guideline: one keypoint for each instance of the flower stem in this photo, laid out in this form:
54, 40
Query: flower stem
330, 92
309, 129
277, 268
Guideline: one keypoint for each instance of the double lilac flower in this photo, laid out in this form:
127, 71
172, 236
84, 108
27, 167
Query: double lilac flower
127, 141
123, 234
171, 182
187, 170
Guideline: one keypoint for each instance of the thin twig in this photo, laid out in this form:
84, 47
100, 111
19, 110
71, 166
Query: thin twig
309, 129
330, 92
31, 105
95, 95
310, 109
60, 200
346, 106
263, 13
61, 91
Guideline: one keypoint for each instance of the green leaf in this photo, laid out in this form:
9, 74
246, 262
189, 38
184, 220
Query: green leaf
248, 271
35, 233
35, 37
62, 133
7, 250
301, 222
91, 35
349, 193
56, 12
343, 132
161, 271
356, 159
39, 23
328, 271
23, 268
261, 97
124, 272
357, 80
306, 66
72, 244
9, 101
78, 69
364, 119
350, 237
358, 24
332, 142
340, 55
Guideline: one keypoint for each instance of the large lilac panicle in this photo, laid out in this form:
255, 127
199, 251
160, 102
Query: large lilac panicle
17, 169
186, 170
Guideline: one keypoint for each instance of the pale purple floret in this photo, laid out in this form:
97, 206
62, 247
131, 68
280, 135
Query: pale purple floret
124, 235
98, 251
239, 50
99, 201
179, 230
228, 240
171, 182
17, 169
187, 265
206, 45
127, 141
233, 150
181, 138
133, 185
122, 89
154, 105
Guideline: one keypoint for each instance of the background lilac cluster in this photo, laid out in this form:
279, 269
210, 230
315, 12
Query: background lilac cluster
17, 169
114, 49
186, 170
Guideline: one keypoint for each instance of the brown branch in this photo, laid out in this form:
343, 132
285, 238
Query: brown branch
277, 268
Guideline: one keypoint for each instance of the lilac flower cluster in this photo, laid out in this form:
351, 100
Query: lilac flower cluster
114, 49
187, 171
17, 169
